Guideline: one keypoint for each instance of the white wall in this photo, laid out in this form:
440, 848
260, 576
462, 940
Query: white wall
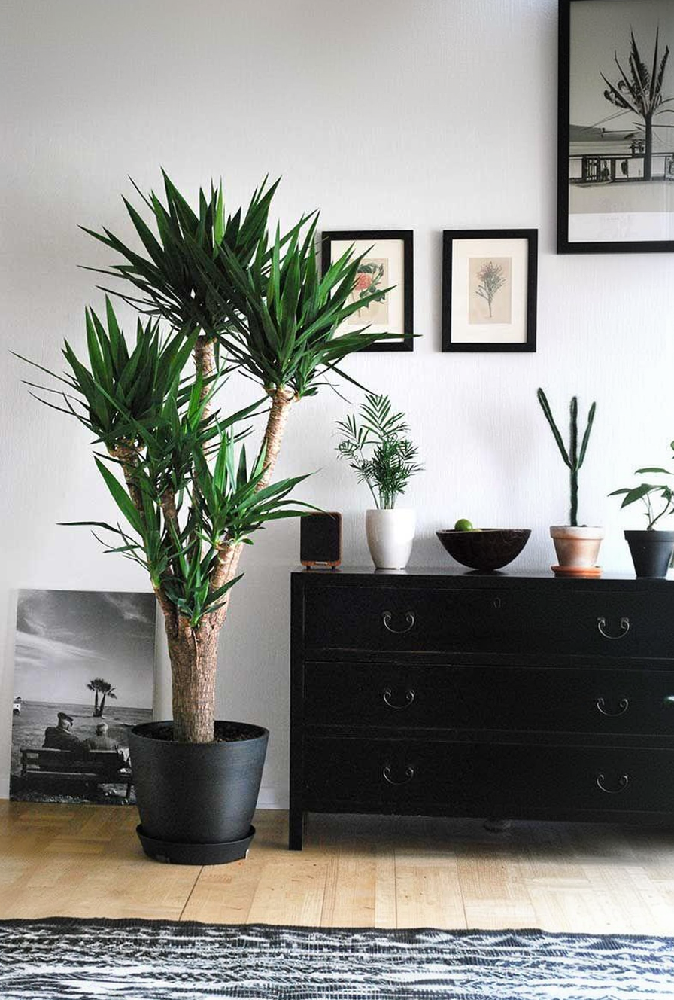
388, 114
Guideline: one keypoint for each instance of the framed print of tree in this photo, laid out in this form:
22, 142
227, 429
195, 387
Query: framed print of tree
616, 126
489, 290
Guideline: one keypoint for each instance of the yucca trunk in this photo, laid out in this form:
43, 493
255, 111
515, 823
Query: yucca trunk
194, 660
193, 651
281, 401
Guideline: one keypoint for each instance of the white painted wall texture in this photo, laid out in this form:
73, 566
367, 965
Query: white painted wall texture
426, 115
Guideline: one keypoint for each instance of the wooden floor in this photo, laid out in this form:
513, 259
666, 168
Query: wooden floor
85, 861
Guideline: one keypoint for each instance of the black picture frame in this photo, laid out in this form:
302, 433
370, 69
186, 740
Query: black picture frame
362, 240
605, 202
514, 328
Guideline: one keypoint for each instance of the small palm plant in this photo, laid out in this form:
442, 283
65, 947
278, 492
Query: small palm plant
573, 456
235, 301
379, 450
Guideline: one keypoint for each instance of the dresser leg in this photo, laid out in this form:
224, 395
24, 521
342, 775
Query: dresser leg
296, 824
496, 824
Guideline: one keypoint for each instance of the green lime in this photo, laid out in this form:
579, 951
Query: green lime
463, 524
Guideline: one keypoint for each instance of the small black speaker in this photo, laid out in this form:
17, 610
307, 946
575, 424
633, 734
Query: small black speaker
321, 539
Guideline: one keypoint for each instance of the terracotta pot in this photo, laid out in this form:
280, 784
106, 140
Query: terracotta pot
577, 547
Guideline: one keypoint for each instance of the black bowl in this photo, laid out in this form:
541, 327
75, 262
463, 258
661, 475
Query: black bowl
486, 549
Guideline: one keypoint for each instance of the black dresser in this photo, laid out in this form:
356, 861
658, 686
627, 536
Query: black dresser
431, 692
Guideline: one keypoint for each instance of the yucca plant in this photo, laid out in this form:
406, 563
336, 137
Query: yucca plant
233, 300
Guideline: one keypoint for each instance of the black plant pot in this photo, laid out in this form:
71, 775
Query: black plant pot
651, 551
196, 800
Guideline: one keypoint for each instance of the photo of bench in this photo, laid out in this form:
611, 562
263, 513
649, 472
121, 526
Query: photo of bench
49, 769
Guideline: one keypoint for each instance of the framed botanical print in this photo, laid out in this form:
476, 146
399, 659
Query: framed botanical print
489, 290
388, 263
615, 126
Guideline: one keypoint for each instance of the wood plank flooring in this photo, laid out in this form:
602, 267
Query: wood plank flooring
85, 861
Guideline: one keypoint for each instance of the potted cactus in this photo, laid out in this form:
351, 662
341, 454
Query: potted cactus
576, 546
233, 302
651, 548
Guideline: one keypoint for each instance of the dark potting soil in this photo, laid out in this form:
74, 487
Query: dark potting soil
225, 732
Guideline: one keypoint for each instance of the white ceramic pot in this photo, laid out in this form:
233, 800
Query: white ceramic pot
577, 547
390, 534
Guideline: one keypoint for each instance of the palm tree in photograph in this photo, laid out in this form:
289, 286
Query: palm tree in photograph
102, 689
109, 692
639, 90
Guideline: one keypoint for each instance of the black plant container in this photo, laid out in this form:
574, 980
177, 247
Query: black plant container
196, 800
651, 551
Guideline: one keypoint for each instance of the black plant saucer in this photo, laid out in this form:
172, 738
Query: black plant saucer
195, 854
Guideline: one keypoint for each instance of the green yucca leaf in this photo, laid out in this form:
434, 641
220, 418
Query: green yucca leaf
121, 498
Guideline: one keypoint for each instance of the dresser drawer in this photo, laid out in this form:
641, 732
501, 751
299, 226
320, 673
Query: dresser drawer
395, 619
508, 780
516, 781
528, 699
393, 776
565, 699
372, 694
548, 618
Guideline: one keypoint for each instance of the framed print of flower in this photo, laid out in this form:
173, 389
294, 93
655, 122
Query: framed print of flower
387, 264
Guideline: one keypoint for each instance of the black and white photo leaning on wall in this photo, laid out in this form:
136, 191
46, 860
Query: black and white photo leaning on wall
83, 676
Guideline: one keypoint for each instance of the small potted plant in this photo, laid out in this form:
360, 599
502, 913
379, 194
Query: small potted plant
379, 450
651, 549
577, 546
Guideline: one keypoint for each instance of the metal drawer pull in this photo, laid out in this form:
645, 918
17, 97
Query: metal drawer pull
409, 697
625, 626
409, 774
623, 781
387, 617
623, 705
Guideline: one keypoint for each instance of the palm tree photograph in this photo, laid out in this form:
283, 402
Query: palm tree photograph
102, 689
617, 185
84, 671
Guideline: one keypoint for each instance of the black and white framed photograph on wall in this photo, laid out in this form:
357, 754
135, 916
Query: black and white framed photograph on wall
616, 126
388, 263
489, 289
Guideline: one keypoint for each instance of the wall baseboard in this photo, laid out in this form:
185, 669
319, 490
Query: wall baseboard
272, 798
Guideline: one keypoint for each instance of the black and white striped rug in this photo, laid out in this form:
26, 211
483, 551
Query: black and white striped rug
60, 958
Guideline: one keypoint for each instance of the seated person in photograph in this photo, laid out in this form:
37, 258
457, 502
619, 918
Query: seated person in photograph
59, 737
101, 741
